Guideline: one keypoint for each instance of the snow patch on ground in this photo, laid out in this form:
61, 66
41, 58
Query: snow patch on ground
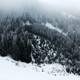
55, 28
26, 23
13, 70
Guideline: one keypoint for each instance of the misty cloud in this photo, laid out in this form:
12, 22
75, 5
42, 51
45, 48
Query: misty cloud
46, 5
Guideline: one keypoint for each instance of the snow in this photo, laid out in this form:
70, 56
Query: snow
10, 71
26, 23
13, 70
55, 28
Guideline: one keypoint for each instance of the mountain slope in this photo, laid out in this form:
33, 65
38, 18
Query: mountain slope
12, 70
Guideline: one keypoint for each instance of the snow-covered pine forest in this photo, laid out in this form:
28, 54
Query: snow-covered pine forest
60, 46
40, 42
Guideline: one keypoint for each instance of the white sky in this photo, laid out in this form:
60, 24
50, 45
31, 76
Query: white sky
61, 4
46, 4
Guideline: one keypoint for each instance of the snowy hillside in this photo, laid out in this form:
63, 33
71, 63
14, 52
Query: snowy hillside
13, 70
39, 40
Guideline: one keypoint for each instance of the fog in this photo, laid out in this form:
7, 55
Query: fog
45, 5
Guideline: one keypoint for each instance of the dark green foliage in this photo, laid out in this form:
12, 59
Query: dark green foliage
15, 42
